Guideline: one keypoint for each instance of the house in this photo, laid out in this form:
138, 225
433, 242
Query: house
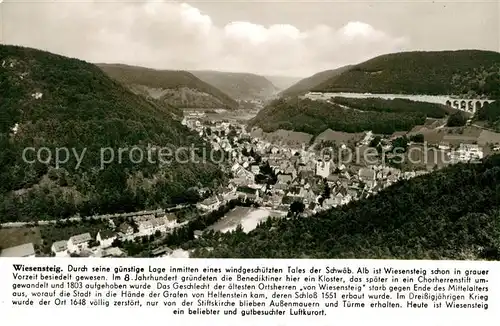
291, 171
247, 193
285, 178
323, 168
126, 229
467, 153
79, 243
255, 169
26, 250
397, 135
106, 238
112, 252
197, 234
444, 146
229, 194
209, 204
367, 138
161, 251
366, 175
60, 248
149, 224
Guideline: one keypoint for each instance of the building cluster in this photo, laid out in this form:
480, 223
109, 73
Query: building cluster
275, 176
133, 225
464, 153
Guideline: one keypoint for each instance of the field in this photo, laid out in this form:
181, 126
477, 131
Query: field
290, 138
339, 136
11, 237
248, 217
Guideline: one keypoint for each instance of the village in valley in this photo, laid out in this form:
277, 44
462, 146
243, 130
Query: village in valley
268, 176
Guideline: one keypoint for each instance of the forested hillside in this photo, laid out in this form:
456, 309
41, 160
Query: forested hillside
314, 117
431, 110
305, 85
241, 86
175, 87
453, 213
50, 101
464, 72
490, 113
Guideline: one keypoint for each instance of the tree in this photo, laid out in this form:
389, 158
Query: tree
457, 119
297, 207
400, 143
375, 141
326, 193
418, 138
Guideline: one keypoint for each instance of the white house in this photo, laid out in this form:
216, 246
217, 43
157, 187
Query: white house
209, 204
255, 169
323, 169
467, 153
79, 243
126, 229
444, 146
112, 252
150, 225
197, 234
60, 248
105, 238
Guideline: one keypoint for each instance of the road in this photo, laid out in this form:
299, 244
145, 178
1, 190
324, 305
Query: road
95, 217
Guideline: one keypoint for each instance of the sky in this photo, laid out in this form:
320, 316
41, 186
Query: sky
288, 38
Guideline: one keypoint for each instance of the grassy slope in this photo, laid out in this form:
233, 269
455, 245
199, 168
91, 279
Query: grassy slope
242, 86
168, 79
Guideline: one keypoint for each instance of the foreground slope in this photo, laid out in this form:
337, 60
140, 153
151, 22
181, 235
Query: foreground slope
453, 213
174, 87
464, 72
50, 101
305, 85
240, 86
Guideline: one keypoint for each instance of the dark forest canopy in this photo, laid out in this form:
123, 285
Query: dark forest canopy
464, 72
431, 110
452, 213
490, 113
58, 102
314, 117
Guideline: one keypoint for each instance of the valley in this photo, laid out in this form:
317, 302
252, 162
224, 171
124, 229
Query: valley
318, 170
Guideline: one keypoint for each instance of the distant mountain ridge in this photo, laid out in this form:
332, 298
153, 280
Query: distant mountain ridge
283, 82
174, 87
238, 85
305, 85
462, 72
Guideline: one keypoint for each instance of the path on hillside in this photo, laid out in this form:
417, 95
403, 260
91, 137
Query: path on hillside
95, 217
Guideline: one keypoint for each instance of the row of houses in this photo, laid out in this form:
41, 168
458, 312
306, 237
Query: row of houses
84, 245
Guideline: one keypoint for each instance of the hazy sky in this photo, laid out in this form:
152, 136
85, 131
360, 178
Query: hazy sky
295, 38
